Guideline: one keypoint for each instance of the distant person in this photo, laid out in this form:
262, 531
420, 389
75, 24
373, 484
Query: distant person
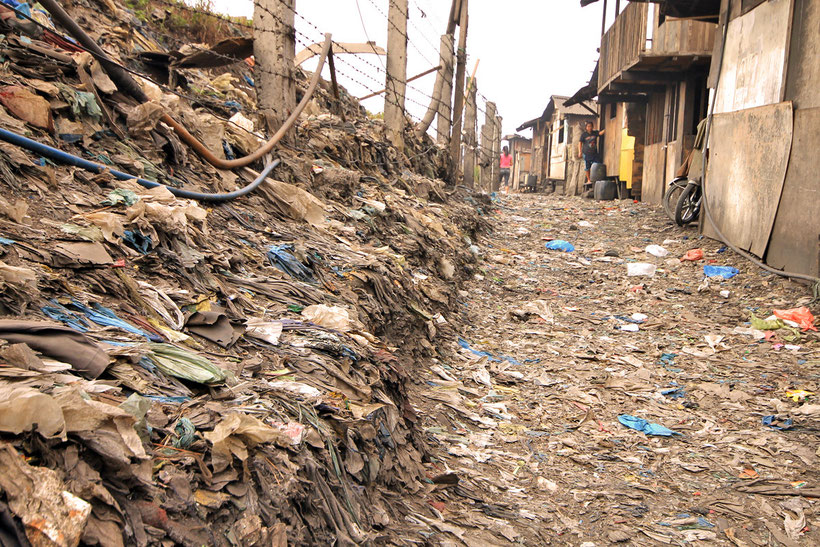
505, 163
588, 147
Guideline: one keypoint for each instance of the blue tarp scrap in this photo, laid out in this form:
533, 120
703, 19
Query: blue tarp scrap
4, 241
76, 316
280, 257
726, 272
777, 422
649, 428
103, 316
60, 313
466, 345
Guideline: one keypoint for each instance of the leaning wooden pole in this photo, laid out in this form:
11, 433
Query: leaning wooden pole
458, 100
469, 136
445, 66
274, 47
396, 79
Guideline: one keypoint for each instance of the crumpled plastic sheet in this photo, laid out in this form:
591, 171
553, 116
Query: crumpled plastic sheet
560, 245
280, 257
639, 424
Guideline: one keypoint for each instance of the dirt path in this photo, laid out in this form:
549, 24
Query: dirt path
529, 449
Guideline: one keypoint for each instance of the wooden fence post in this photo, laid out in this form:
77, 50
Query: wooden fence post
469, 137
487, 133
274, 48
395, 83
458, 100
497, 152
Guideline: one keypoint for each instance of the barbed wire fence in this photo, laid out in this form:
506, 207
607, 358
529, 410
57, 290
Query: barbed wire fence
352, 69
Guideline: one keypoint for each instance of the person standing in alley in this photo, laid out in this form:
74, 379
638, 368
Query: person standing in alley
505, 164
588, 147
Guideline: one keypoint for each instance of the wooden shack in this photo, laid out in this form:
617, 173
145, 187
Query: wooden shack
555, 136
762, 186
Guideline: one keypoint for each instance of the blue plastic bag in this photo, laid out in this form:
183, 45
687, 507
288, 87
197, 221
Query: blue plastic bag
560, 245
726, 272
639, 424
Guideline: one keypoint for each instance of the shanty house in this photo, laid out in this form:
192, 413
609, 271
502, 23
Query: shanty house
555, 135
651, 88
762, 186
521, 151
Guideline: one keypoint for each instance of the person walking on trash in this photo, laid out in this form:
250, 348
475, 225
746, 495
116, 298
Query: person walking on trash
588, 147
505, 163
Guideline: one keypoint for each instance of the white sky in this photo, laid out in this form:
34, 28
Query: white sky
529, 49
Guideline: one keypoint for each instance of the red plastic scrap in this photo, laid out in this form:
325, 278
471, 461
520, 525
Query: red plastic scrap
802, 316
693, 255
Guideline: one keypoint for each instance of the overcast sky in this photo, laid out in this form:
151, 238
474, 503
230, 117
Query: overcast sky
529, 49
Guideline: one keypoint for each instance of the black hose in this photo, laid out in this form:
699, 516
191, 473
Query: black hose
64, 157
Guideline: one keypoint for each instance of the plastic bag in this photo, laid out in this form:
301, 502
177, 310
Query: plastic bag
726, 272
692, 255
560, 245
802, 316
656, 250
635, 269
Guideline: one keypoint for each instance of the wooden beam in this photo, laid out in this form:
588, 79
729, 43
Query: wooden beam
651, 76
340, 47
416, 77
618, 87
622, 98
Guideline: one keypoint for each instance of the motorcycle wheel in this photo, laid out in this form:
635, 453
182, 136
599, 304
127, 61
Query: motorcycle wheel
688, 206
670, 198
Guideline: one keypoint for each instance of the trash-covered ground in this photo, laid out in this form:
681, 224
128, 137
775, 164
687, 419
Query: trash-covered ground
589, 407
347, 355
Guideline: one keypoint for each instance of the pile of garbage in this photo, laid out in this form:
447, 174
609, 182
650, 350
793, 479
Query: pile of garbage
183, 372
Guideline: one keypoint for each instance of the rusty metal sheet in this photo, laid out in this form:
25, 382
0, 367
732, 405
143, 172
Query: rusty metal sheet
749, 153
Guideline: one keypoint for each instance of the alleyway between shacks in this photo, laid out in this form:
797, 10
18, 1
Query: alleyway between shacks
563, 350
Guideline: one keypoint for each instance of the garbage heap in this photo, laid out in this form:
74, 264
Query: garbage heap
177, 372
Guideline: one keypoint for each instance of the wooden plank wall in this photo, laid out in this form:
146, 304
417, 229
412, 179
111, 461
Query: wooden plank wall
748, 158
754, 58
795, 240
623, 42
654, 169
683, 37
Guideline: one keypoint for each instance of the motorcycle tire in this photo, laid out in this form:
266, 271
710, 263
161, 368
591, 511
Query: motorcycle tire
688, 207
670, 197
